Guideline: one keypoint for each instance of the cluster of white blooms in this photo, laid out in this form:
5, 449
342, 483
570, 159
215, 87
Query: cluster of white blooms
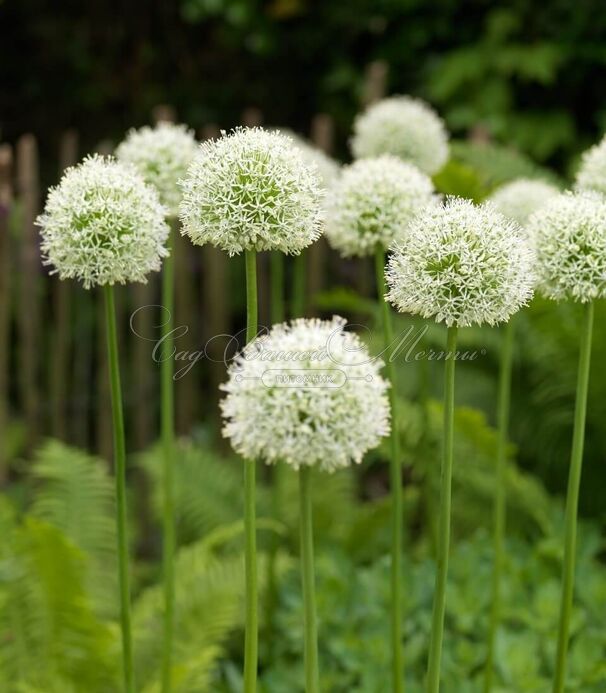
252, 190
592, 172
570, 238
162, 156
463, 265
522, 197
405, 127
373, 202
306, 393
328, 168
103, 224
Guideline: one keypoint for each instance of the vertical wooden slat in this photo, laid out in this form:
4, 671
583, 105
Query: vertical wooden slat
6, 199
164, 113
62, 310
30, 287
375, 82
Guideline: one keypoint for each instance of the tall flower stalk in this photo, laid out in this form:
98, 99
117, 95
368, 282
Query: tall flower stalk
162, 155
104, 226
306, 425
570, 237
462, 265
251, 191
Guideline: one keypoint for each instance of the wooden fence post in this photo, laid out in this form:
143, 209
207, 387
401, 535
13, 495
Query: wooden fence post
30, 287
6, 199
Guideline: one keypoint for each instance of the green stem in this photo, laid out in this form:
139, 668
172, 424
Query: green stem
251, 634
298, 285
120, 474
168, 441
396, 486
276, 280
500, 489
572, 499
312, 675
439, 603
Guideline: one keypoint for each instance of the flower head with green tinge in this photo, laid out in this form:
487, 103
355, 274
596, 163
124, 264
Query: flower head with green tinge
462, 265
592, 172
162, 156
520, 198
103, 224
405, 127
252, 190
570, 238
306, 393
328, 168
373, 202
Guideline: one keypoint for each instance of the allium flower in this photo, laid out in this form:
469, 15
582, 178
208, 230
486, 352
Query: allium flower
162, 156
570, 238
328, 169
520, 198
373, 202
252, 190
592, 172
279, 406
103, 224
405, 127
461, 264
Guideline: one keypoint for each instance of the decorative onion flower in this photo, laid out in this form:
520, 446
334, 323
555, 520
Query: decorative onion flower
328, 168
279, 406
592, 172
103, 224
461, 264
373, 202
520, 198
570, 237
405, 127
162, 156
252, 190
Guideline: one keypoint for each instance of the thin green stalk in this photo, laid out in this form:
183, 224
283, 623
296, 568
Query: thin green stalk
312, 674
120, 474
572, 499
167, 415
251, 634
396, 487
439, 603
276, 281
298, 285
504, 398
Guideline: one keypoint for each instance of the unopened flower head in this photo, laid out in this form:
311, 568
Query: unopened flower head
328, 169
405, 127
570, 238
373, 202
520, 198
592, 173
162, 156
103, 224
306, 393
463, 265
252, 190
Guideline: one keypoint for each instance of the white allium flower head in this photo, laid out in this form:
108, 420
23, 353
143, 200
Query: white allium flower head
463, 265
520, 198
103, 224
405, 127
328, 168
570, 238
373, 202
252, 190
279, 408
592, 172
162, 156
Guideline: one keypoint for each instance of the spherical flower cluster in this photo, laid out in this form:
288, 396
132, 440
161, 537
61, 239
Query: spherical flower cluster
373, 202
463, 265
592, 172
405, 127
162, 156
306, 393
520, 198
103, 224
570, 238
328, 169
252, 190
